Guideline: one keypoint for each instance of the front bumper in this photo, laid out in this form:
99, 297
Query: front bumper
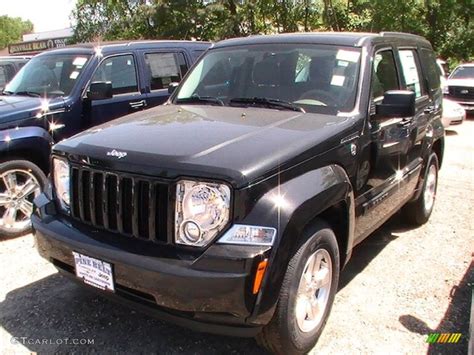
210, 292
452, 120
467, 104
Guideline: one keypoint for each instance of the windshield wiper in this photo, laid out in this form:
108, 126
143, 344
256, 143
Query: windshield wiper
28, 93
268, 102
200, 99
6, 92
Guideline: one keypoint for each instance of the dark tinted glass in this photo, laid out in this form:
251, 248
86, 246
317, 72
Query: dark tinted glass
120, 71
384, 76
433, 73
463, 73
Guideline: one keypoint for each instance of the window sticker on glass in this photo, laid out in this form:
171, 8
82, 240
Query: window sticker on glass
79, 61
338, 80
348, 56
166, 66
74, 75
342, 63
410, 71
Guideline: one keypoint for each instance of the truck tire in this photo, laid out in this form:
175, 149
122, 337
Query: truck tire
20, 182
418, 212
306, 295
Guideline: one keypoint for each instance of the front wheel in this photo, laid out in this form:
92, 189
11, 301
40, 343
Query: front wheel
419, 211
20, 182
306, 295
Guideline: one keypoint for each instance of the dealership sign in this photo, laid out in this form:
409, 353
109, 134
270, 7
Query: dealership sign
37, 46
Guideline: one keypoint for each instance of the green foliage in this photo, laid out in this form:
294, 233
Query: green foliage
446, 23
11, 30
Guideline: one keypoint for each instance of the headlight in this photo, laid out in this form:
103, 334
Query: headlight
202, 210
249, 235
446, 89
61, 182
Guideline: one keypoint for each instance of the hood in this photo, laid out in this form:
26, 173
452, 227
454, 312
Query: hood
234, 144
460, 82
14, 108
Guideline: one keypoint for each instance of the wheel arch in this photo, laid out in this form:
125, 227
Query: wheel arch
27, 143
322, 194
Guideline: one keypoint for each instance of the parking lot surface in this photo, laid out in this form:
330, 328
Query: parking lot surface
401, 284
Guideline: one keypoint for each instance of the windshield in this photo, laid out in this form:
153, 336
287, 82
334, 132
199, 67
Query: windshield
48, 76
463, 73
315, 78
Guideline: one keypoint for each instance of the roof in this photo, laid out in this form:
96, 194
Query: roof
15, 58
466, 65
352, 39
118, 46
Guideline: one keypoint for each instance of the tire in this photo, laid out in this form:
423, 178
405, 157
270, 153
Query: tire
20, 182
418, 212
287, 333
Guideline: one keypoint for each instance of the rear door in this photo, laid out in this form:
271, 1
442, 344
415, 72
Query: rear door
413, 79
161, 68
122, 71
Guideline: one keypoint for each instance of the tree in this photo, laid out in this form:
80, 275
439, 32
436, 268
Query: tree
12, 28
446, 23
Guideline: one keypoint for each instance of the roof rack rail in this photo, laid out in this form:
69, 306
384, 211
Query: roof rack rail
388, 33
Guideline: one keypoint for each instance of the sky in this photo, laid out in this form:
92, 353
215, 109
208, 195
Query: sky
46, 15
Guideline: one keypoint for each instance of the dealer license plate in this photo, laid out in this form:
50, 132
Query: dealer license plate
94, 272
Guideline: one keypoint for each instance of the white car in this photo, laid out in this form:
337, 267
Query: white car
460, 86
453, 113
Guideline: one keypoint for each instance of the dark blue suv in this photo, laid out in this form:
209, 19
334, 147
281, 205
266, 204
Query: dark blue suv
62, 92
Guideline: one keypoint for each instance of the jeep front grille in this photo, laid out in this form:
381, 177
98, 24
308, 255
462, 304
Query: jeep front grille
131, 205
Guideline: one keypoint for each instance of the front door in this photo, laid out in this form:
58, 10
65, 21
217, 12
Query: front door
121, 71
389, 168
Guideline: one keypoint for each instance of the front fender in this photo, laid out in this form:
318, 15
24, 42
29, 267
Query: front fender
290, 206
32, 143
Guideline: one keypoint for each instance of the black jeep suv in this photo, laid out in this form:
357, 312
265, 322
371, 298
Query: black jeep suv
233, 208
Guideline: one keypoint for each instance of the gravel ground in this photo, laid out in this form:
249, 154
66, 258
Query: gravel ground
400, 285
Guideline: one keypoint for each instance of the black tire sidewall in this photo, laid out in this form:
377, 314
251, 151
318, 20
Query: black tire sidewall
31, 168
321, 238
425, 214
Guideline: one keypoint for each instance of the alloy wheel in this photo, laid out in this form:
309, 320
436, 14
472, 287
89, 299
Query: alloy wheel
18, 188
314, 290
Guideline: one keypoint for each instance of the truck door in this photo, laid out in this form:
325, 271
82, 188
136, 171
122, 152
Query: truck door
121, 70
162, 68
389, 169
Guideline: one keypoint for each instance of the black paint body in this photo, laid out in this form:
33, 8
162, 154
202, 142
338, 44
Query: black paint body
310, 159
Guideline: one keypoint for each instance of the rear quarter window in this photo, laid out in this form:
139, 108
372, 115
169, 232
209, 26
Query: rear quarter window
430, 69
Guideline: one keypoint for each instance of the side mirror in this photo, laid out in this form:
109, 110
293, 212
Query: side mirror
100, 90
397, 103
172, 87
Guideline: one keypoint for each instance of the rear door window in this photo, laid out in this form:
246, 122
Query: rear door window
411, 71
165, 68
432, 70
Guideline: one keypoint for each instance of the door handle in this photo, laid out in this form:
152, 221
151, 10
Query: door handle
138, 104
405, 122
429, 110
